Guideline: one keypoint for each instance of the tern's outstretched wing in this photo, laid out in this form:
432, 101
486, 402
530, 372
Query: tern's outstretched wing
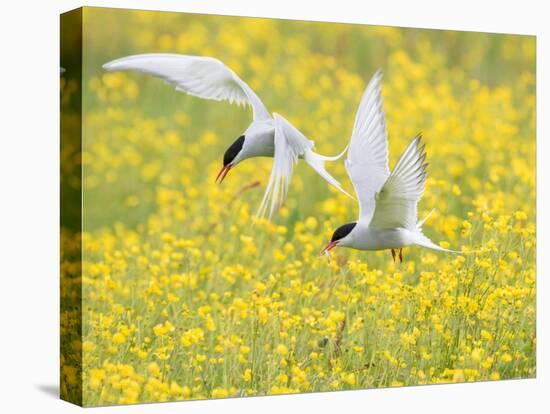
204, 77
367, 161
290, 144
397, 201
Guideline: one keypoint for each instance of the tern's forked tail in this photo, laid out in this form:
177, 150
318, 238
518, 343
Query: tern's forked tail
421, 240
317, 162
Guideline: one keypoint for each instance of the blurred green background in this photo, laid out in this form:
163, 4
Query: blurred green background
312, 73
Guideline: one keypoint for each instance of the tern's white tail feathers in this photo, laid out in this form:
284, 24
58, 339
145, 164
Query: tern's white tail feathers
421, 239
421, 222
335, 157
317, 162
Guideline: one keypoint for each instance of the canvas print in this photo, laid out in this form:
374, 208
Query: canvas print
256, 206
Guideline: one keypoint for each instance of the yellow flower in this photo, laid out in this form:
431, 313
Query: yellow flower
263, 314
119, 338
486, 335
192, 336
162, 329
118, 308
506, 357
153, 369
311, 223
520, 215
349, 378
96, 377
220, 393
281, 350
210, 325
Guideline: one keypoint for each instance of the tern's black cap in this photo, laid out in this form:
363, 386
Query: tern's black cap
233, 150
342, 231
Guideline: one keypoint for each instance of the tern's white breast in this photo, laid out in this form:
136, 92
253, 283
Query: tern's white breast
259, 140
366, 238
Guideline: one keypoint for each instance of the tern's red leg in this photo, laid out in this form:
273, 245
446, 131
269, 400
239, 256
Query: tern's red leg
400, 255
393, 254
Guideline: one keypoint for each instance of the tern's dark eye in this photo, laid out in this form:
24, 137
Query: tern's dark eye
233, 150
342, 231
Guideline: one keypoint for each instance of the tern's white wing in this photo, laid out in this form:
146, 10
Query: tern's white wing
367, 161
397, 201
204, 77
290, 144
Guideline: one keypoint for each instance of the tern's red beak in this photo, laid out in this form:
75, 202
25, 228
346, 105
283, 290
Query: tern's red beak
329, 246
223, 172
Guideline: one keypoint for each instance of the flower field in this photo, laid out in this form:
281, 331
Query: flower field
185, 296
